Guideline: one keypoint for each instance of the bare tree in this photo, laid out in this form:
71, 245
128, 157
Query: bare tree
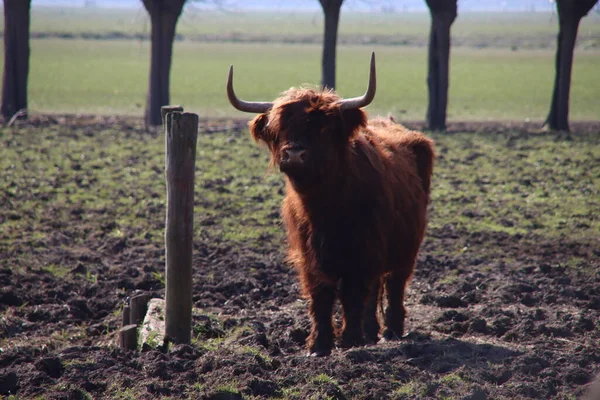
16, 56
570, 13
164, 15
331, 10
443, 14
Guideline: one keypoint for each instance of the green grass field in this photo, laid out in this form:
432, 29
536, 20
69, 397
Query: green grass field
496, 72
105, 77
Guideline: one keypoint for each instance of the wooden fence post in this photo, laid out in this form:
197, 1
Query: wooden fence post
181, 134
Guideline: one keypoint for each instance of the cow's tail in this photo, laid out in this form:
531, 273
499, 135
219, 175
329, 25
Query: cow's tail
422, 147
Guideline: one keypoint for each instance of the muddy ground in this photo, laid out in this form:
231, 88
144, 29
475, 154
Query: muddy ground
492, 314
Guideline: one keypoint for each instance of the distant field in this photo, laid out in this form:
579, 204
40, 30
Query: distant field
111, 77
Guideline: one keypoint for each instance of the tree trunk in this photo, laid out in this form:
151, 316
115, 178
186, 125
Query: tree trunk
331, 10
570, 13
16, 56
163, 18
443, 14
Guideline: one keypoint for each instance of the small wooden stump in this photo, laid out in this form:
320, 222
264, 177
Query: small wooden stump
128, 337
133, 315
126, 316
138, 305
152, 332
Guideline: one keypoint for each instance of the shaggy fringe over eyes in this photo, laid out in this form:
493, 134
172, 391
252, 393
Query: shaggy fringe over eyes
321, 101
266, 127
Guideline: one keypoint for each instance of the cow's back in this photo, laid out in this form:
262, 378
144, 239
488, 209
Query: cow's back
402, 144
411, 157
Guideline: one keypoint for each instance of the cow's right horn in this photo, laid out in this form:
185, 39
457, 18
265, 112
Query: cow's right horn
246, 106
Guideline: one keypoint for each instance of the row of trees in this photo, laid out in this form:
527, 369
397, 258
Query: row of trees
164, 15
443, 14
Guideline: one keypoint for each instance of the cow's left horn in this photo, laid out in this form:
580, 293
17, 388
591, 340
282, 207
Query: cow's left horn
247, 106
367, 98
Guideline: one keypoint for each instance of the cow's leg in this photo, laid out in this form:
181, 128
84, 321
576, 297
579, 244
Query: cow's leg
370, 322
353, 297
395, 313
320, 341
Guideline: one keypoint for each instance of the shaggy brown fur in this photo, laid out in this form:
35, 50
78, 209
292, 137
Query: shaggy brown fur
355, 210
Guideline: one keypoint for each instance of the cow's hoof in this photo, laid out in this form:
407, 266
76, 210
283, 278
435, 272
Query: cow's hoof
319, 352
371, 335
320, 348
371, 339
389, 334
351, 341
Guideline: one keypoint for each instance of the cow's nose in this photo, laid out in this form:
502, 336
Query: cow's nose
294, 155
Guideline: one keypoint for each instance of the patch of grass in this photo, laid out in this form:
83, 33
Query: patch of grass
91, 277
65, 336
450, 278
408, 390
118, 392
57, 270
531, 185
253, 351
119, 311
452, 380
323, 379
159, 276
77, 363
208, 345
195, 389
326, 387
290, 393
237, 333
153, 340
73, 391
229, 388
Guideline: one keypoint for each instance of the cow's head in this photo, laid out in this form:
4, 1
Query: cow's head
307, 130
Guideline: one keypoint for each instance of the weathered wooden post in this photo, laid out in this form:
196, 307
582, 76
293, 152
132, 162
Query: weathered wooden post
181, 134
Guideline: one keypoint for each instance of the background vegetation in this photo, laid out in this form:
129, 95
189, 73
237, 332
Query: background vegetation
501, 64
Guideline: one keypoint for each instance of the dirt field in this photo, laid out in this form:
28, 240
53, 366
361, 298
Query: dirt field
505, 303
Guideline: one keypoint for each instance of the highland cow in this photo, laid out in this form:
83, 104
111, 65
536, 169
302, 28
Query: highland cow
355, 207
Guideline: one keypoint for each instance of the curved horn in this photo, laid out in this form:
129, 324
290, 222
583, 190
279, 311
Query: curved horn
247, 106
367, 98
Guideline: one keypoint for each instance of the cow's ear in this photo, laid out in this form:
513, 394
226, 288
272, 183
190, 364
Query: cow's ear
258, 128
352, 121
